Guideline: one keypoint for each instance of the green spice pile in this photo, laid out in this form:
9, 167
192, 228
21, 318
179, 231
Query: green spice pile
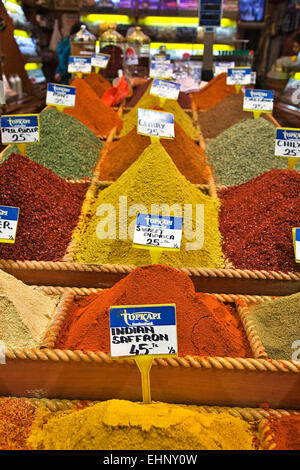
67, 147
24, 313
244, 151
277, 323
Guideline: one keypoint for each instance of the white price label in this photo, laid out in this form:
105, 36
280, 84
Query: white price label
161, 70
20, 129
158, 231
258, 100
100, 60
79, 64
61, 95
238, 76
296, 238
155, 123
287, 142
143, 330
165, 89
9, 217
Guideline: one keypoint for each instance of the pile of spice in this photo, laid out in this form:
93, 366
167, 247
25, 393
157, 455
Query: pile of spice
98, 83
223, 115
189, 158
152, 184
285, 432
169, 106
24, 313
16, 418
92, 112
244, 151
66, 147
277, 323
124, 425
206, 327
214, 92
256, 221
183, 99
49, 209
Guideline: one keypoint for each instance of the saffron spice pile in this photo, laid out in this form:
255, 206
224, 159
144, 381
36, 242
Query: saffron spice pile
49, 209
16, 418
257, 218
285, 432
98, 83
214, 92
205, 325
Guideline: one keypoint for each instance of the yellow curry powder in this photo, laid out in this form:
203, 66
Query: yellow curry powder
170, 106
124, 425
150, 184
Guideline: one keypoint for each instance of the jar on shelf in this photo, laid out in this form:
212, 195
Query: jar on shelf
137, 54
112, 43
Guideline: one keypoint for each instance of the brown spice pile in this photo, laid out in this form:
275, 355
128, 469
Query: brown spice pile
214, 92
189, 158
223, 115
98, 83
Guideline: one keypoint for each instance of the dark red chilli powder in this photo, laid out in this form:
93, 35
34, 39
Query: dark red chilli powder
49, 209
257, 218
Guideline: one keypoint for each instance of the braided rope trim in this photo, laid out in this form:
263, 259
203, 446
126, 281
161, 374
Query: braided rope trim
257, 347
126, 269
247, 414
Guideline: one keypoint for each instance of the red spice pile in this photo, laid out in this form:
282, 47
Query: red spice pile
257, 218
214, 92
16, 418
98, 83
206, 327
49, 209
286, 432
92, 112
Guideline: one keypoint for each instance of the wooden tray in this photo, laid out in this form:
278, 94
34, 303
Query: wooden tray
222, 381
257, 417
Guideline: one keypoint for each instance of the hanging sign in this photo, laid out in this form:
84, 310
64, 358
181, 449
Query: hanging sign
100, 60
165, 89
20, 129
238, 76
79, 64
158, 231
143, 330
161, 70
296, 239
9, 217
210, 12
61, 95
258, 100
155, 123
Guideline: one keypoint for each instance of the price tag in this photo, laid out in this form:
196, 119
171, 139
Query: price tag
61, 95
100, 60
258, 100
238, 76
2, 93
161, 70
296, 239
79, 64
161, 58
165, 89
9, 217
143, 330
158, 231
2, 353
222, 67
287, 142
155, 123
20, 129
